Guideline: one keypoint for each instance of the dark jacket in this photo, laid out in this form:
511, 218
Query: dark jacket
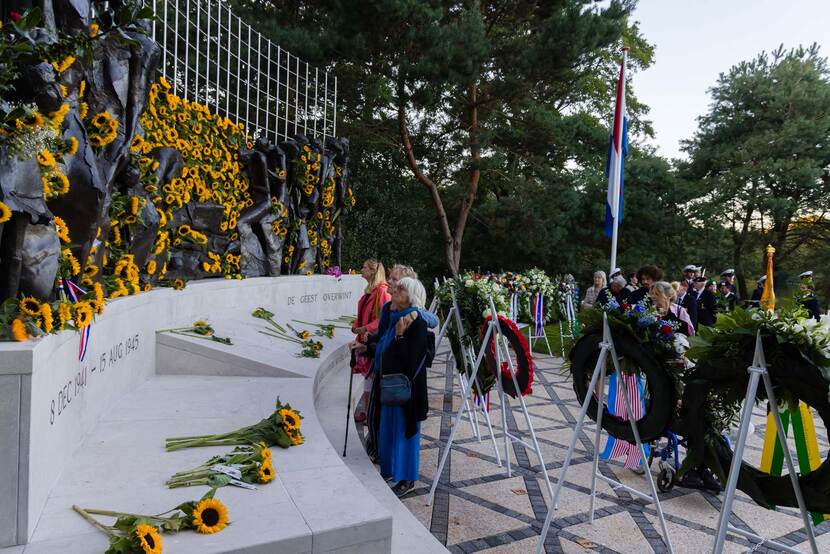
689, 302
706, 309
604, 296
812, 306
406, 355
637, 295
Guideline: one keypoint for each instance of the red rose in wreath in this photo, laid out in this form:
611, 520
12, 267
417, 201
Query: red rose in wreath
523, 365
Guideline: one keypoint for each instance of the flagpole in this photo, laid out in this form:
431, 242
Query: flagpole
616, 169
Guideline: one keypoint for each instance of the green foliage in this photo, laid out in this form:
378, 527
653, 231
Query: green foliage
761, 158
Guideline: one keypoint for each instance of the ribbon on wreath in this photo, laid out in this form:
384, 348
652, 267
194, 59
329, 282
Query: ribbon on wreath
514, 306
615, 447
538, 315
74, 292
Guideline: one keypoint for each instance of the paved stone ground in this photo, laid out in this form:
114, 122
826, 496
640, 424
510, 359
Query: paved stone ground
478, 508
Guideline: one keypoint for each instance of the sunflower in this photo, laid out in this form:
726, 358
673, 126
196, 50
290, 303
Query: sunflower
265, 472
184, 230
62, 229
290, 419
47, 321
99, 301
148, 538
30, 306
19, 331
64, 314
83, 110
178, 284
296, 438
93, 30
73, 146
5, 212
304, 335
83, 314
210, 516
45, 158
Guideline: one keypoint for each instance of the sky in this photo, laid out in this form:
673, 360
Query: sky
696, 40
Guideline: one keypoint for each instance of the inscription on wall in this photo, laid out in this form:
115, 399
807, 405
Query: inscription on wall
92, 365
318, 297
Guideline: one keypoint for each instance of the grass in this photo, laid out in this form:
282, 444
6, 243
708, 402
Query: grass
554, 337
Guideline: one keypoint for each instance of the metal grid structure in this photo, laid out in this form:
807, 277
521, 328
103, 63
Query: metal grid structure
209, 55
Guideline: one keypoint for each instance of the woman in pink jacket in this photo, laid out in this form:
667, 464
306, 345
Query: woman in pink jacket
368, 318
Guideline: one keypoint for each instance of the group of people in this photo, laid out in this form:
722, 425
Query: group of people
695, 299
393, 338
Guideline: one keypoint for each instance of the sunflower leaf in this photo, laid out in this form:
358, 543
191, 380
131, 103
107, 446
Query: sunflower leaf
125, 523
120, 545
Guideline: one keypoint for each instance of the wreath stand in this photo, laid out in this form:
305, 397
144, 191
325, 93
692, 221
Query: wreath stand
501, 352
757, 371
606, 348
472, 414
536, 331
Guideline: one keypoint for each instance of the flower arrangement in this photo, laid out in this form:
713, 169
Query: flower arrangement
142, 532
281, 428
473, 292
251, 464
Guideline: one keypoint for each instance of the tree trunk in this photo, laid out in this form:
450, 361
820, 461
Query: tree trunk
452, 238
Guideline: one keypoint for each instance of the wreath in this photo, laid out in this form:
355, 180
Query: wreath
524, 367
660, 397
796, 352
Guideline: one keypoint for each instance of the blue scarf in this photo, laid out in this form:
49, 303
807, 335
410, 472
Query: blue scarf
389, 336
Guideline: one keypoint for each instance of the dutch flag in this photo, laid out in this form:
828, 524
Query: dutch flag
617, 150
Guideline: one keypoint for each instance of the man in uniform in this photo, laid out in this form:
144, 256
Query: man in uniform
755, 299
705, 302
729, 276
807, 295
726, 299
686, 298
689, 273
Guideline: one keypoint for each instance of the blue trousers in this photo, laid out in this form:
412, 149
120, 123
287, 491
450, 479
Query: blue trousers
399, 456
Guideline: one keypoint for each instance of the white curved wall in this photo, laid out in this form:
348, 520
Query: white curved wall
49, 401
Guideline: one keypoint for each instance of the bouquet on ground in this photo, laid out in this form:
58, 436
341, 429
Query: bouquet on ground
323, 329
141, 533
310, 348
200, 329
244, 467
281, 428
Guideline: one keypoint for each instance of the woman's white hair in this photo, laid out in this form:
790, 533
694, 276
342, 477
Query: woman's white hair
416, 291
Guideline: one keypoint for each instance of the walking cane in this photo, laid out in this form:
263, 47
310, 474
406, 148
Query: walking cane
348, 411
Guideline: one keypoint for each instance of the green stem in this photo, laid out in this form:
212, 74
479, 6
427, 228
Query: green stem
283, 337
86, 515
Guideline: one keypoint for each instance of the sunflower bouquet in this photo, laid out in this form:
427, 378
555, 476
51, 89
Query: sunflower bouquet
139, 533
200, 329
244, 465
281, 428
310, 347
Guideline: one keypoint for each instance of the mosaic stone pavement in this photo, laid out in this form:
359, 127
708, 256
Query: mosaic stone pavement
478, 508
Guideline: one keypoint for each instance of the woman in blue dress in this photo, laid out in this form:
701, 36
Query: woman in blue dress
403, 348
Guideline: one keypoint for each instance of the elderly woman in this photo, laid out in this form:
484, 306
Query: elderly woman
592, 293
368, 318
398, 272
403, 348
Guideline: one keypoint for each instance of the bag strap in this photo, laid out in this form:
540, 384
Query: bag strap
423, 364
